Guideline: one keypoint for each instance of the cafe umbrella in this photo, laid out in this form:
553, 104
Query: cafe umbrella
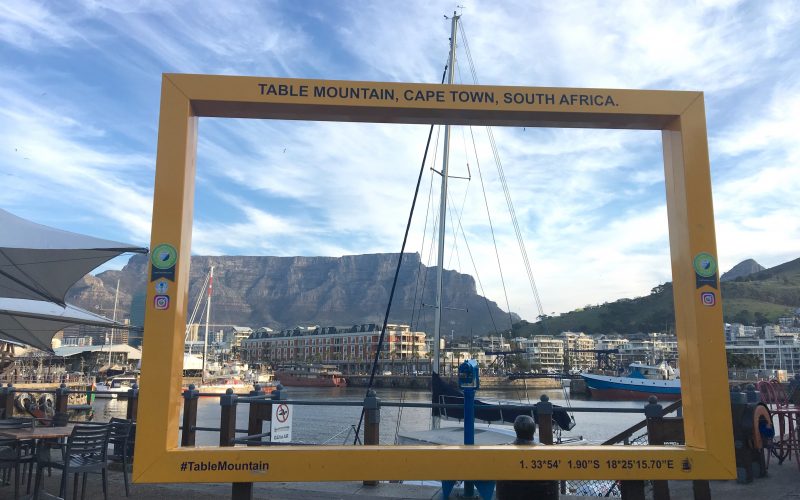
41, 263
35, 322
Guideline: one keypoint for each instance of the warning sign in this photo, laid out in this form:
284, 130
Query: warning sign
281, 424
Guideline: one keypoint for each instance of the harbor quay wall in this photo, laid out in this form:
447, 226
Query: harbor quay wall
423, 382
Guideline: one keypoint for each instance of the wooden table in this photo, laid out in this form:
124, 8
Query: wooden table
37, 433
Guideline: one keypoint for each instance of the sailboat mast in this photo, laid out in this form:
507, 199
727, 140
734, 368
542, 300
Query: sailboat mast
208, 317
437, 326
113, 330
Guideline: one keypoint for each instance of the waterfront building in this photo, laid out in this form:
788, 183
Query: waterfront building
579, 347
782, 352
609, 342
89, 358
237, 335
545, 352
649, 349
355, 345
738, 330
100, 335
76, 341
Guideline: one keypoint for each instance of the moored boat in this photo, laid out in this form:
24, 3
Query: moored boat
641, 382
310, 376
115, 386
220, 385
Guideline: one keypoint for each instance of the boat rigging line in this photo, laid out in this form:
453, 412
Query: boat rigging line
396, 274
506, 191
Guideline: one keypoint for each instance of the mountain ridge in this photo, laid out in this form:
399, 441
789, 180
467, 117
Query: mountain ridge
743, 268
753, 299
283, 292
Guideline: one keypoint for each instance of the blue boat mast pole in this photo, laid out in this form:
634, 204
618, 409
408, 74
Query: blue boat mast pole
437, 327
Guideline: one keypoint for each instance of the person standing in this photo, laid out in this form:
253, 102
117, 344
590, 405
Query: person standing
525, 428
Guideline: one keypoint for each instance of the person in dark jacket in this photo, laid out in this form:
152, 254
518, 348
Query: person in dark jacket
525, 427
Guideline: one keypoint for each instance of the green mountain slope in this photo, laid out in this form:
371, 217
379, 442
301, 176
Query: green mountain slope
758, 298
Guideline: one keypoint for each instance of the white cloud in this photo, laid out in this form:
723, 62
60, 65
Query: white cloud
31, 26
590, 203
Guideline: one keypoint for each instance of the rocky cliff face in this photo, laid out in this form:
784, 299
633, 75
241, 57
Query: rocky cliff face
282, 292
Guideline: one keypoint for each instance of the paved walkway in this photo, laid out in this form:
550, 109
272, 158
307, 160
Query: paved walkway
783, 483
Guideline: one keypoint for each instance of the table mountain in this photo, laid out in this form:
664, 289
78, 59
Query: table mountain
282, 292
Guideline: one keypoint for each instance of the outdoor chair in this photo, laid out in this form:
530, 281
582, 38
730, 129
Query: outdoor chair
85, 452
120, 440
16, 455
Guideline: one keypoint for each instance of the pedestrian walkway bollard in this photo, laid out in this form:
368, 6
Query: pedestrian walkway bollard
372, 423
190, 398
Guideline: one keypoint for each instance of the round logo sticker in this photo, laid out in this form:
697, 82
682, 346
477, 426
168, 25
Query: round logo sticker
705, 265
164, 256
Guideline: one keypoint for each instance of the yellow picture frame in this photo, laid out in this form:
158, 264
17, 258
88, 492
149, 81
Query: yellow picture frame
680, 115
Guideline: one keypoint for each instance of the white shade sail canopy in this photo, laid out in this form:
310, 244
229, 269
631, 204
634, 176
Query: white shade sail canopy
34, 322
41, 263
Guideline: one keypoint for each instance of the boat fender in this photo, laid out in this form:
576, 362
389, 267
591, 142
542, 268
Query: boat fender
763, 432
23, 401
47, 404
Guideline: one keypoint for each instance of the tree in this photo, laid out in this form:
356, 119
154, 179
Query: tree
743, 360
744, 317
761, 319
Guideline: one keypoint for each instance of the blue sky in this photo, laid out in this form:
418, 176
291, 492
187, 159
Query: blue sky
79, 100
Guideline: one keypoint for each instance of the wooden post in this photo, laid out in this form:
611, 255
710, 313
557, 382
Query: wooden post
653, 412
227, 419
372, 423
62, 399
632, 490
544, 414
255, 421
133, 403
7, 401
227, 433
190, 398
702, 490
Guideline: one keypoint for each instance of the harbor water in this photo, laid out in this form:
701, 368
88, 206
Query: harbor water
334, 424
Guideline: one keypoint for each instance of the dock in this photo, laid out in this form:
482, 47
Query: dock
782, 484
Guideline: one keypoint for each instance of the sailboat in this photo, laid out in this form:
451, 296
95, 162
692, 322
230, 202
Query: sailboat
442, 433
218, 383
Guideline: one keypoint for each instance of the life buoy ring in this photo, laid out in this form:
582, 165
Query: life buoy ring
23, 401
47, 404
761, 416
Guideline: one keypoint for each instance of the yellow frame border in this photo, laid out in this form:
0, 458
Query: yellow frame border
708, 453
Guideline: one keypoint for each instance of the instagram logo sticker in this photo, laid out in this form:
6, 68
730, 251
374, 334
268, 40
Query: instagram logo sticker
161, 302
708, 299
